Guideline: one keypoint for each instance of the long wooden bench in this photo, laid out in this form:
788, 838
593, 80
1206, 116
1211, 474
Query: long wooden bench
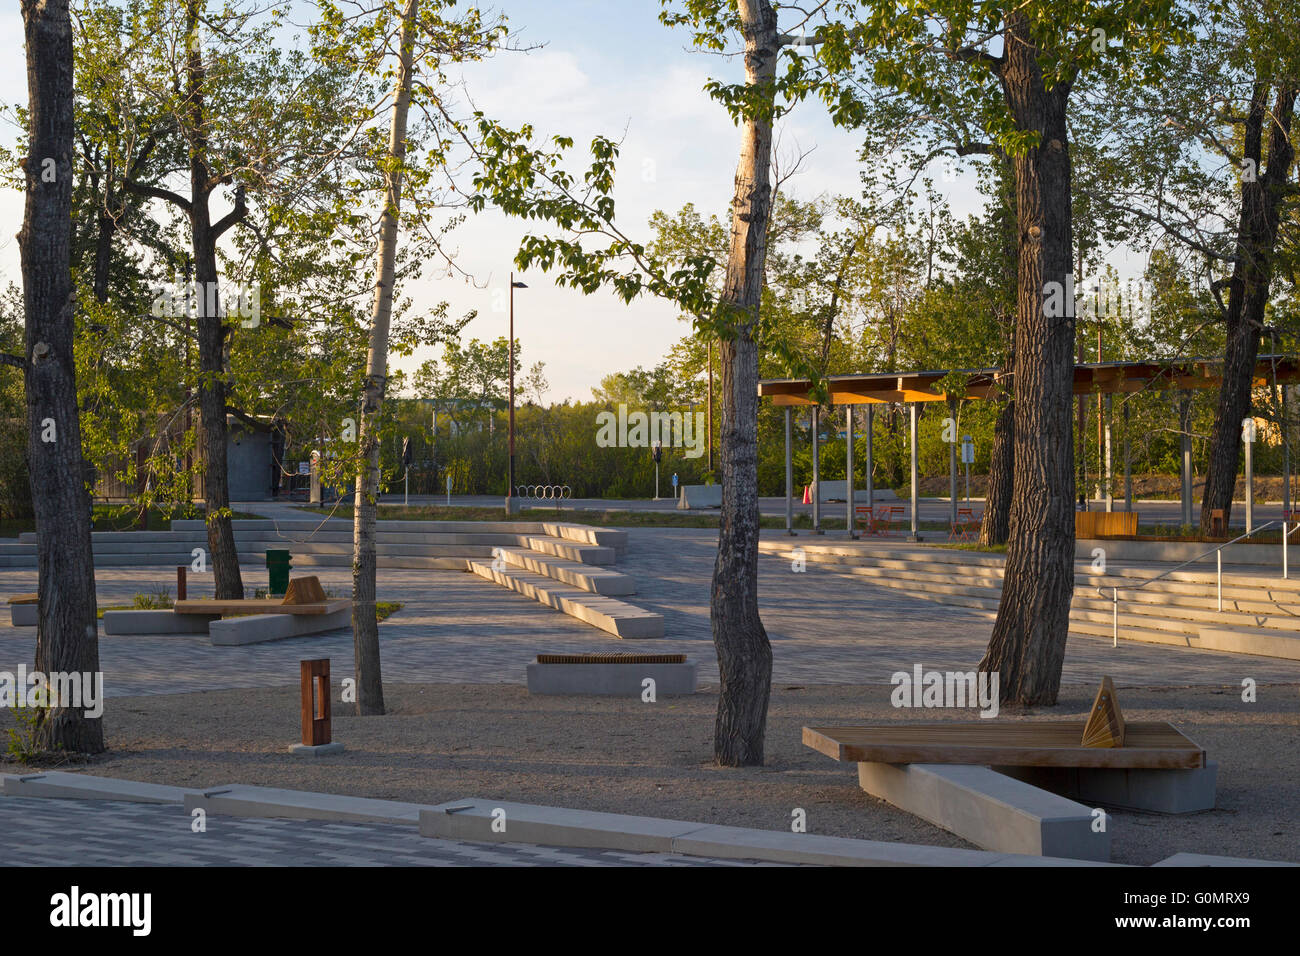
304, 596
1012, 785
1039, 743
304, 610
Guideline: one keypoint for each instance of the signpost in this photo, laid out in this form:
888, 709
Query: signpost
449, 491
657, 450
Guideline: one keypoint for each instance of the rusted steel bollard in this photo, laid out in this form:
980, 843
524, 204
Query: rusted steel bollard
180, 582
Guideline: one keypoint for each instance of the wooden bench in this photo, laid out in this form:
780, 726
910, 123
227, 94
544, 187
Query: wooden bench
1038, 743
1012, 786
305, 596
24, 609
1105, 524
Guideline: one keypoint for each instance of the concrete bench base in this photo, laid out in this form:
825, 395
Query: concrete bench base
989, 809
1156, 791
132, 623
616, 680
24, 615
316, 750
259, 628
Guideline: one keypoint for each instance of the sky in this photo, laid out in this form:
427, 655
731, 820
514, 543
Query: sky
600, 67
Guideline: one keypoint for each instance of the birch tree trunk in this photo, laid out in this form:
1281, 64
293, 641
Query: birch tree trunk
67, 633
744, 653
365, 630
1027, 647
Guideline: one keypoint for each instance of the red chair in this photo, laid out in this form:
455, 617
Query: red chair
966, 527
865, 518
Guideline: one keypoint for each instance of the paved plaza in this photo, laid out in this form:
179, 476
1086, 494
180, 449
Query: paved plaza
826, 627
43, 832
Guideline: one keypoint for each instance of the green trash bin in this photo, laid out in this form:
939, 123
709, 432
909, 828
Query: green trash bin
277, 566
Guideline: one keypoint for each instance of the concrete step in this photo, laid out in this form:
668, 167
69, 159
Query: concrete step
397, 562
607, 613
597, 580
570, 550
1165, 611
957, 561
1144, 628
586, 534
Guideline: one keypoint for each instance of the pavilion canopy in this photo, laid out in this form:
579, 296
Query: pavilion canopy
1104, 377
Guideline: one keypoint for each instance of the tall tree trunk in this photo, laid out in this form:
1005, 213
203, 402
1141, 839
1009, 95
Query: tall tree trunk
365, 629
211, 329
996, 526
1248, 289
1027, 647
67, 634
744, 653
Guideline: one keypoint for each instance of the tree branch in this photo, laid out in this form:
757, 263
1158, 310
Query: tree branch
154, 192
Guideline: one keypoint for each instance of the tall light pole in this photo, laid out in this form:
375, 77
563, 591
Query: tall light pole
512, 505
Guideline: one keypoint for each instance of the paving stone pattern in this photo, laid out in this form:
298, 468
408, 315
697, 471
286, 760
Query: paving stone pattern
825, 626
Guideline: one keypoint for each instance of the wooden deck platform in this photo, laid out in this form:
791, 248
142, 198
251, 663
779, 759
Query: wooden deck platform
1037, 743
269, 606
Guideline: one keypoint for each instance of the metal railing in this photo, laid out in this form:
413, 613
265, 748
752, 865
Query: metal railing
1287, 530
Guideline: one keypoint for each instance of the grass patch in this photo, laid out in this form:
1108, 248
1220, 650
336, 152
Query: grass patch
114, 518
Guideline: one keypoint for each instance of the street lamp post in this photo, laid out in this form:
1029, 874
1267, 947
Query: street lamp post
512, 504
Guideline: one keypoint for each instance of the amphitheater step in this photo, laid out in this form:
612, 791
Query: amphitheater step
607, 613
571, 551
597, 580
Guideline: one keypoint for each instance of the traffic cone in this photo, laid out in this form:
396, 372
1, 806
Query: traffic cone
807, 494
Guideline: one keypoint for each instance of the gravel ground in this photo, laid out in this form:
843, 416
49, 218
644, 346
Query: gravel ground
449, 741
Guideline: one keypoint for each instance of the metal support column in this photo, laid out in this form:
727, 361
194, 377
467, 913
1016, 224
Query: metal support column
789, 478
817, 475
952, 464
1184, 427
915, 478
848, 468
1128, 463
1110, 484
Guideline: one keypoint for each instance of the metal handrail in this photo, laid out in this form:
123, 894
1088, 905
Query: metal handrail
1218, 558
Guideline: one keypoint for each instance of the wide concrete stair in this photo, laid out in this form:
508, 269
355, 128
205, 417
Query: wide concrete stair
1261, 614
567, 568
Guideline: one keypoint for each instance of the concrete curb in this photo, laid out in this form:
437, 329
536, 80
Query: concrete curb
240, 800
59, 784
1205, 859
472, 820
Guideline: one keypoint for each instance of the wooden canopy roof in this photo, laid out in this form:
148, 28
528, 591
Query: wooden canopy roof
1104, 377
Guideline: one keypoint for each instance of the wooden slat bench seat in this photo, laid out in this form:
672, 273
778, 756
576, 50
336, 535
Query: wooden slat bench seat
1037, 743
32, 598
